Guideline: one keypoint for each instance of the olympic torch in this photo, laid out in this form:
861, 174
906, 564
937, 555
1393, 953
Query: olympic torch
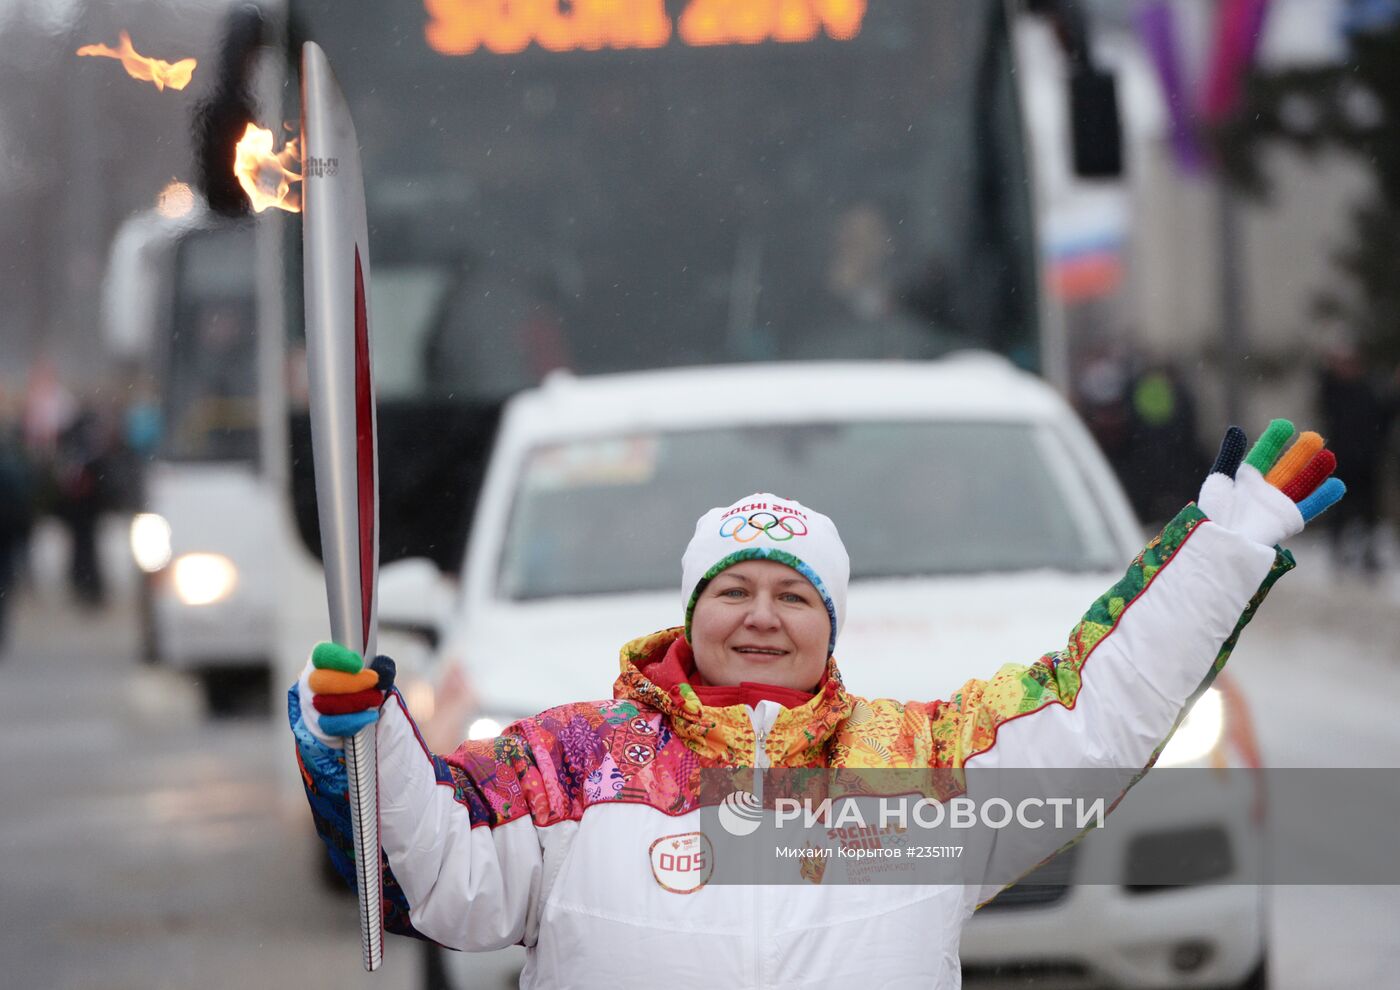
335, 249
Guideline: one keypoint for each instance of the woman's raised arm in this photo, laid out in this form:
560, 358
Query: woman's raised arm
1148, 646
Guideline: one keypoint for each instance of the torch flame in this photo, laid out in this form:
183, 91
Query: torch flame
266, 176
152, 70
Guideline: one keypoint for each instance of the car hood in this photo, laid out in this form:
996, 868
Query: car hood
918, 639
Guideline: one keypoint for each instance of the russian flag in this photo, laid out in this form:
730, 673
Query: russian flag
1087, 267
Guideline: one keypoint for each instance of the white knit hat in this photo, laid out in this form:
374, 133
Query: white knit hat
766, 527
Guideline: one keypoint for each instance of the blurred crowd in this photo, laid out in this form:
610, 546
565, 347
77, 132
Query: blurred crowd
72, 459
1143, 414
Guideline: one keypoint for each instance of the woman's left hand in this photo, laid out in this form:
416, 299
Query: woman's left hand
347, 695
1271, 496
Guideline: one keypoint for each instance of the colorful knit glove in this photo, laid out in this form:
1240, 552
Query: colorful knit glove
346, 697
1271, 495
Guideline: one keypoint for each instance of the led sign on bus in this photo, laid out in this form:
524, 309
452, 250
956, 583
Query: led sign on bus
461, 27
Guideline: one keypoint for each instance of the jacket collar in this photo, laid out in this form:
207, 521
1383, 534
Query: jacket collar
725, 735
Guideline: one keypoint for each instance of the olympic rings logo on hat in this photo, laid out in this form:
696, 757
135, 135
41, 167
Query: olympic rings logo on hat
779, 528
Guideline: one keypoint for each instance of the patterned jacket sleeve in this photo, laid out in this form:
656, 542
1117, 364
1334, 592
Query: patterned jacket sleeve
463, 856
1144, 650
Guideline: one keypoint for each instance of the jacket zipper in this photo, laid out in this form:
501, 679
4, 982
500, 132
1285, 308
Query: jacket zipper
760, 762
760, 735
758, 935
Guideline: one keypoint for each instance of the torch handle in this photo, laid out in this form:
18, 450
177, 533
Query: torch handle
361, 763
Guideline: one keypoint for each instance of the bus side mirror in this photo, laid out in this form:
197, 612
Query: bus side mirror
1096, 129
220, 116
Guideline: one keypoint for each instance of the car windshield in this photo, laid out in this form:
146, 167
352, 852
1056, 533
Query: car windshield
911, 499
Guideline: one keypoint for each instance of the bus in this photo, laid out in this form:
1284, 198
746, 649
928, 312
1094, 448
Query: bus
179, 311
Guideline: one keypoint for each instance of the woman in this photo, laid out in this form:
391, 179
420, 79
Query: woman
546, 835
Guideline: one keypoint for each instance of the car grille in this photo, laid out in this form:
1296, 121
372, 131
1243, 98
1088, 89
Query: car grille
1028, 974
1044, 885
1185, 856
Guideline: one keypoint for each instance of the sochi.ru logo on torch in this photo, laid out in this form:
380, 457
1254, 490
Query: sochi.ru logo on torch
740, 813
319, 168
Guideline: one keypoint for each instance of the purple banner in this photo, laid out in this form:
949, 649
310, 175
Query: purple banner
1157, 25
1239, 24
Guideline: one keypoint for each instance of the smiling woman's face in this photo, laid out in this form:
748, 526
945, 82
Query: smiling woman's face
760, 621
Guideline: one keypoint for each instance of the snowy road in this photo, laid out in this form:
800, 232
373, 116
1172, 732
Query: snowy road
1320, 668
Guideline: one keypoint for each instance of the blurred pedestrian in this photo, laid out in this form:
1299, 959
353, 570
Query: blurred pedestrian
1163, 448
1101, 397
139, 426
79, 476
142, 422
1357, 410
49, 409
17, 494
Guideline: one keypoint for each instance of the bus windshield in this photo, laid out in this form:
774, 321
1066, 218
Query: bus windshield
210, 374
694, 183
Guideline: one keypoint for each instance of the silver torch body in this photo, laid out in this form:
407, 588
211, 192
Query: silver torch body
335, 258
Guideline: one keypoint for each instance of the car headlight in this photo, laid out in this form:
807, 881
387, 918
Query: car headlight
485, 727
420, 697
490, 724
150, 541
204, 578
1199, 732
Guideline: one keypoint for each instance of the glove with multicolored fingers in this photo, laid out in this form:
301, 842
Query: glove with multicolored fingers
345, 696
1270, 495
